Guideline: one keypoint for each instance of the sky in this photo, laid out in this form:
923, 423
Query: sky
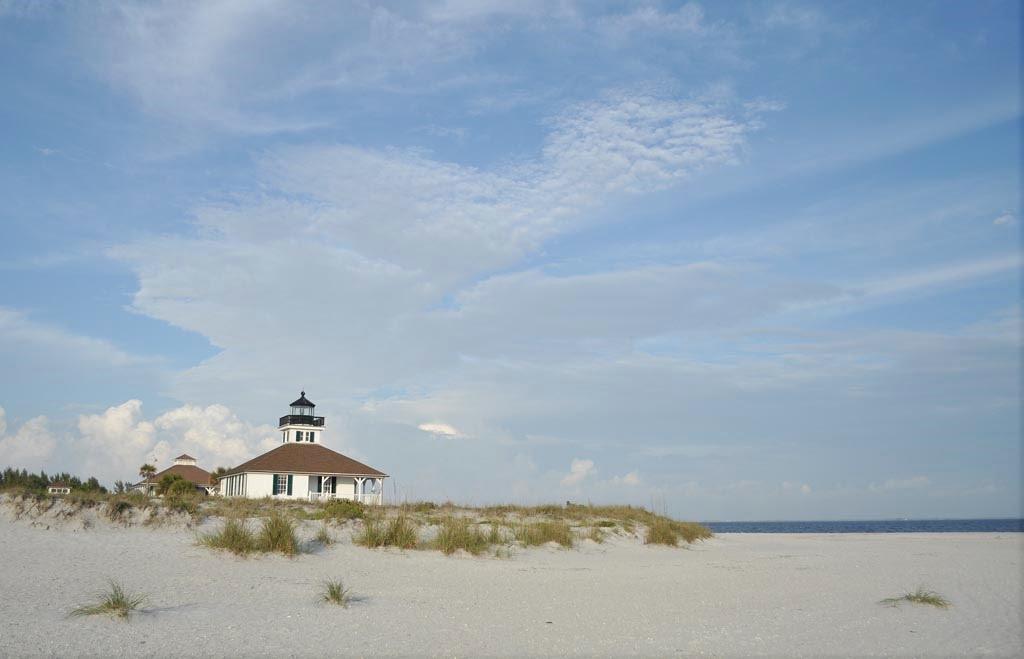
732, 261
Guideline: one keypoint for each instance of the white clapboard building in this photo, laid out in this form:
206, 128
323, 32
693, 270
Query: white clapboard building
302, 467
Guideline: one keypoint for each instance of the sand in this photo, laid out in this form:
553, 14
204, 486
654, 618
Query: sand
739, 594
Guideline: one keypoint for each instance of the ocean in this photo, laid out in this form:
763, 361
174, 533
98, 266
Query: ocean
875, 526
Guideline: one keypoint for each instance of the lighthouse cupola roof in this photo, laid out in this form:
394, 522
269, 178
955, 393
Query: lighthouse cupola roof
303, 401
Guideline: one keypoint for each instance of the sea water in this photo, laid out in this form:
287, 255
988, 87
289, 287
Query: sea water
875, 526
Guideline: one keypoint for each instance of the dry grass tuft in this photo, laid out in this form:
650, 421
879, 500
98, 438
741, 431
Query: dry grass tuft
540, 533
324, 537
336, 593
399, 532
278, 534
457, 533
661, 532
234, 536
919, 596
116, 602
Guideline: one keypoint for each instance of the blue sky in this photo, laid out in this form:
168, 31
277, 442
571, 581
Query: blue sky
737, 260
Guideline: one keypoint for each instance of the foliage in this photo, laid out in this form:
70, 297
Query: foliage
457, 533
919, 596
278, 534
661, 532
336, 593
12, 478
398, 532
234, 536
541, 533
117, 601
180, 487
167, 482
340, 510
324, 537
147, 471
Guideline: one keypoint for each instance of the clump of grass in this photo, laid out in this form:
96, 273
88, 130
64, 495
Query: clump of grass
340, 510
324, 537
665, 531
336, 593
235, 536
919, 596
457, 533
398, 532
595, 533
278, 534
662, 532
116, 602
540, 533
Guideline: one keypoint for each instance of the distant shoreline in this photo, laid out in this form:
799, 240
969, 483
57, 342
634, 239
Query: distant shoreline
995, 525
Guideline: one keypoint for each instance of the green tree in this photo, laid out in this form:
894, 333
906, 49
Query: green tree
167, 481
146, 471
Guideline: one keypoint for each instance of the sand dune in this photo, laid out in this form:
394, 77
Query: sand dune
734, 595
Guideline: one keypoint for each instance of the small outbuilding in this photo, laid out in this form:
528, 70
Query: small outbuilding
184, 466
58, 487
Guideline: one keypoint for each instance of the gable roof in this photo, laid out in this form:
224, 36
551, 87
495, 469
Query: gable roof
305, 458
191, 473
184, 456
302, 401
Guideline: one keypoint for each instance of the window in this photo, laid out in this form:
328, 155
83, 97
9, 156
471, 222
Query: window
280, 483
309, 436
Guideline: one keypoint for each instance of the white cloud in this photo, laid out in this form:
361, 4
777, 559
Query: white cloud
1007, 219
31, 447
17, 329
579, 469
440, 430
632, 478
912, 483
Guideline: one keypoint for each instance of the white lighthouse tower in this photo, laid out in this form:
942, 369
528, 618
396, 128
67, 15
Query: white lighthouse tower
300, 425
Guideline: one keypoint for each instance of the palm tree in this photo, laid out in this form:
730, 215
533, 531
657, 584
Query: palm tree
146, 471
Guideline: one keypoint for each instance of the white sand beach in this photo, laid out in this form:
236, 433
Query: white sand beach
740, 594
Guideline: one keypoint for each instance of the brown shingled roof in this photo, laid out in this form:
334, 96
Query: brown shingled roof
191, 473
303, 458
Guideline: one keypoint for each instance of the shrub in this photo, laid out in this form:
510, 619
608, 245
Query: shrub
278, 534
336, 593
180, 487
168, 481
340, 510
117, 601
234, 536
398, 532
539, 533
457, 533
183, 503
919, 596
595, 533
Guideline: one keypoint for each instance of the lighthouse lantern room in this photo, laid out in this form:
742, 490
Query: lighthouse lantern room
301, 426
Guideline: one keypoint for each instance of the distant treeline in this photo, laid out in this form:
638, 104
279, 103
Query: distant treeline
10, 478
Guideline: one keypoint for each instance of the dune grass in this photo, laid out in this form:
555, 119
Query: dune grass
335, 593
276, 534
665, 531
458, 533
324, 537
919, 596
400, 531
116, 602
533, 534
594, 533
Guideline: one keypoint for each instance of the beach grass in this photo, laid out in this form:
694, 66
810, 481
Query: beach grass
335, 593
324, 537
458, 533
116, 602
533, 534
277, 534
399, 531
234, 536
919, 596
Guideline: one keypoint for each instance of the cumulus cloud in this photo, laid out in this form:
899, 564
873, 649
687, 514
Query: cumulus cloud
1007, 219
579, 469
631, 478
30, 447
440, 430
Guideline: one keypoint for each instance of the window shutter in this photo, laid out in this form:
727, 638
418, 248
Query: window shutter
289, 484
273, 486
